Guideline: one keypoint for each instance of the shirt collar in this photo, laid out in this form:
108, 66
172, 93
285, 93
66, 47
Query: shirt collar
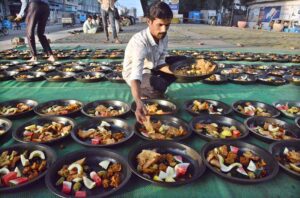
150, 38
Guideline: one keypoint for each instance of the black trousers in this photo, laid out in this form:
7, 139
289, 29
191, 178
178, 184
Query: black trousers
37, 15
155, 84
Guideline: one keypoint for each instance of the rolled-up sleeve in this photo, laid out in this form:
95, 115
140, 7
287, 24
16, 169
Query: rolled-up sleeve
139, 52
162, 58
23, 7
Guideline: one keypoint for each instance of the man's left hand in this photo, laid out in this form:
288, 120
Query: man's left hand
18, 18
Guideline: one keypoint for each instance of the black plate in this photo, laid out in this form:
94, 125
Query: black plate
223, 79
220, 120
218, 104
172, 59
114, 103
292, 79
297, 121
188, 78
196, 168
275, 80
111, 77
80, 77
65, 76
234, 79
255, 121
49, 154
13, 103
46, 69
277, 149
167, 120
231, 71
272, 165
290, 103
165, 105
269, 108
6, 125
117, 125
38, 109
98, 68
20, 68
5, 76
37, 76
277, 72
93, 158
18, 134
75, 69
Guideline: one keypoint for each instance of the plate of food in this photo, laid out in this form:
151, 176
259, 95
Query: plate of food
231, 71
21, 165
74, 69
243, 79
191, 70
293, 79
44, 68
106, 109
239, 161
19, 68
166, 163
44, 130
89, 77
249, 108
115, 77
60, 76
253, 71
163, 128
272, 80
157, 107
206, 106
88, 173
277, 72
216, 79
102, 132
262, 67
97, 68
29, 76
290, 109
17, 108
214, 127
4, 75
271, 129
287, 154
59, 107
5, 126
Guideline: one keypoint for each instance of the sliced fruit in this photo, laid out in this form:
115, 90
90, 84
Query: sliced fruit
4, 171
95, 141
17, 170
78, 167
178, 158
242, 171
251, 166
9, 176
225, 168
88, 183
104, 164
181, 169
80, 194
18, 181
77, 179
234, 149
67, 187
37, 153
156, 178
96, 178
24, 161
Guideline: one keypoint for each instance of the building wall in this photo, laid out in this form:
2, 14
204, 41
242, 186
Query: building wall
262, 12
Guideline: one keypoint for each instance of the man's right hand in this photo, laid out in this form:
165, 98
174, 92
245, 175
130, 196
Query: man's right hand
140, 112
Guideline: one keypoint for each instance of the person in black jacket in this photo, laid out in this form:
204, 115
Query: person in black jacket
37, 15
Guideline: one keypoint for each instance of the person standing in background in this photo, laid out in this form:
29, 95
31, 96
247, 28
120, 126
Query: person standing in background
107, 10
37, 15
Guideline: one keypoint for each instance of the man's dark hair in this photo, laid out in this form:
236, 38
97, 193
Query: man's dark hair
90, 17
159, 10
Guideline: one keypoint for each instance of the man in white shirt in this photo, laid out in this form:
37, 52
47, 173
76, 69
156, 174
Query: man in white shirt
88, 26
144, 68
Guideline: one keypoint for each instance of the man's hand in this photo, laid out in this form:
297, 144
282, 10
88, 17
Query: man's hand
166, 69
18, 18
140, 112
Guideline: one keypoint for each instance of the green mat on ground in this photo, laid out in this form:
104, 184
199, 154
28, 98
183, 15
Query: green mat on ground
209, 185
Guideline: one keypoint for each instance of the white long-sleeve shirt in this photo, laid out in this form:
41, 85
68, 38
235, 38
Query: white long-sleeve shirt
24, 5
143, 54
